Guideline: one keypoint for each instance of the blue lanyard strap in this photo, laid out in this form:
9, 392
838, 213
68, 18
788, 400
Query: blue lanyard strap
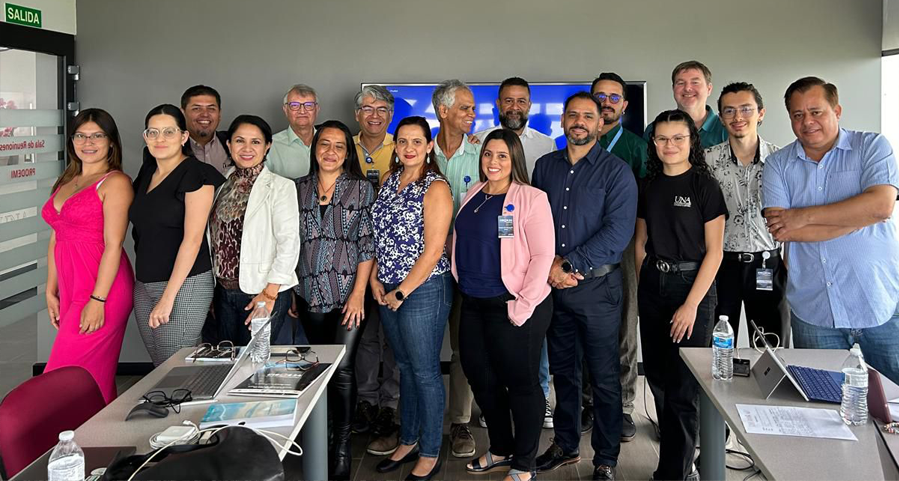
615, 139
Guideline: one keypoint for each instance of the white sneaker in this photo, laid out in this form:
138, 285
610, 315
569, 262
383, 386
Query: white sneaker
548, 417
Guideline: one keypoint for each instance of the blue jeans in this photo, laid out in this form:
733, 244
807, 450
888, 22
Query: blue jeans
880, 345
415, 332
544, 371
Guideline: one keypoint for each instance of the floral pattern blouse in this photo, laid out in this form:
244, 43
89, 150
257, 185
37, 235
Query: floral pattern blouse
399, 228
226, 224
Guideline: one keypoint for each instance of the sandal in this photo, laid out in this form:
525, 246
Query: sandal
515, 474
492, 465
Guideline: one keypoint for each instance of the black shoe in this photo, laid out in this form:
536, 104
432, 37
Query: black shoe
384, 424
555, 458
387, 465
343, 460
603, 473
586, 419
434, 470
363, 417
628, 429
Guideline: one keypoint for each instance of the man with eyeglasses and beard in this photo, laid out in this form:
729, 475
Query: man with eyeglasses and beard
610, 90
513, 102
593, 196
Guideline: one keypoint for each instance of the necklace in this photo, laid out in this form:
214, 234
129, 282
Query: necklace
486, 198
324, 196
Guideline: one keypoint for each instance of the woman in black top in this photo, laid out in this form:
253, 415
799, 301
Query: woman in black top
172, 198
679, 242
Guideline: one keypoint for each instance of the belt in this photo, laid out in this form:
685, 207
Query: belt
671, 267
747, 257
600, 271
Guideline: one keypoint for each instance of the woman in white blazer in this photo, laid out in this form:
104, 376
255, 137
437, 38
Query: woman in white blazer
254, 235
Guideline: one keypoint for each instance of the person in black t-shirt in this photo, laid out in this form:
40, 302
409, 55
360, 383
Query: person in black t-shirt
679, 246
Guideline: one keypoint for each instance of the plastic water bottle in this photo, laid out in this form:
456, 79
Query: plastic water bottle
723, 350
854, 408
261, 329
66, 460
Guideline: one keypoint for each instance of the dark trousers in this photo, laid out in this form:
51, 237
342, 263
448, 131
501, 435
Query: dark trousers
674, 388
326, 328
769, 309
231, 314
585, 322
502, 364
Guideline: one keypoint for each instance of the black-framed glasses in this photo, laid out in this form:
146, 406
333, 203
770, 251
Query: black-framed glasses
294, 359
224, 349
167, 133
298, 105
159, 398
602, 97
78, 138
730, 112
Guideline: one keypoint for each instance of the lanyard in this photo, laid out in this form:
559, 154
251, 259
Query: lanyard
615, 139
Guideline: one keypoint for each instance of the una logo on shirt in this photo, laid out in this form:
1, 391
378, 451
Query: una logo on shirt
682, 201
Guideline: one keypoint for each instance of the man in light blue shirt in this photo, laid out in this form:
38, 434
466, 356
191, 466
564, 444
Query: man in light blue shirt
830, 196
289, 155
459, 161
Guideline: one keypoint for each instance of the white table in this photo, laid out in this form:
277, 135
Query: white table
781, 457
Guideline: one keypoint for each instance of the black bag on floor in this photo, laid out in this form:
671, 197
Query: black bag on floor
234, 453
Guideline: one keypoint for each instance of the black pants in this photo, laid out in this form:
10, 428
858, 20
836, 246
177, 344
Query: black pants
231, 313
769, 309
585, 322
326, 328
674, 388
502, 364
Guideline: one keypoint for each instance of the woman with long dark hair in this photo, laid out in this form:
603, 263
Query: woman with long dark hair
504, 246
679, 246
336, 258
89, 276
411, 282
172, 198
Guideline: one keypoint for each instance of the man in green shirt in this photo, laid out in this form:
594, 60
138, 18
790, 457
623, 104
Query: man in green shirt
611, 92
289, 155
691, 83
459, 161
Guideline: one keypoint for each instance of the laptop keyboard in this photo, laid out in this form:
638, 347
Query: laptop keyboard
818, 384
207, 380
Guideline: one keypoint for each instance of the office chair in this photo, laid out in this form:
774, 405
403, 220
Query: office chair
33, 414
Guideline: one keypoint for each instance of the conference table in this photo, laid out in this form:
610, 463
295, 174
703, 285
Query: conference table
109, 428
782, 457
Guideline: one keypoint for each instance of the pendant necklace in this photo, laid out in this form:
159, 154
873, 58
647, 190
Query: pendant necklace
486, 198
324, 196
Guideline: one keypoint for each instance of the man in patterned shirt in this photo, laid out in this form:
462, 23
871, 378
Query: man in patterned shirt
752, 272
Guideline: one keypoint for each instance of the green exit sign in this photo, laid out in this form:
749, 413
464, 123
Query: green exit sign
29, 17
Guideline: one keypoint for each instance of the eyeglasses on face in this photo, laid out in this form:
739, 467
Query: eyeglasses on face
601, 97
298, 105
78, 138
368, 110
168, 133
676, 140
730, 112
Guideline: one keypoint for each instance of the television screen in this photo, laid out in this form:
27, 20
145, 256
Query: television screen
547, 101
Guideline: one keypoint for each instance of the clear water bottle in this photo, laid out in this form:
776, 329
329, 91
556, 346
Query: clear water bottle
723, 350
261, 328
66, 460
854, 408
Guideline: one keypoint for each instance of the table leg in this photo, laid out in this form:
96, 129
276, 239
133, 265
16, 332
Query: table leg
711, 440
315, 441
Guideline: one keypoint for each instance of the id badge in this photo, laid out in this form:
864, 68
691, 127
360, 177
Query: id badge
764, 279
504, 227
373, 176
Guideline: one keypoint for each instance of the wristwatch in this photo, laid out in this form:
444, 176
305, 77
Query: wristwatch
399, 295
566, 267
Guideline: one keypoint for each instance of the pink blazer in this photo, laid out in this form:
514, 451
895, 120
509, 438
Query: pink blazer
527, 257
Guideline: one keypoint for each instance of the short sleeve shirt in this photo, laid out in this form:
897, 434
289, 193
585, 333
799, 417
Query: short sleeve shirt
676, 209
289, 156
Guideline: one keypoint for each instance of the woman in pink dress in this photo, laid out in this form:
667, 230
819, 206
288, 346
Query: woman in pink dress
89, 276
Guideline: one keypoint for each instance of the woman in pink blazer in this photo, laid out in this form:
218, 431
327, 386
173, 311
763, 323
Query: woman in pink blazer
503, 248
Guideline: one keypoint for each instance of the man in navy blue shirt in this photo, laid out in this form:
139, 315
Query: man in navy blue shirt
593, 195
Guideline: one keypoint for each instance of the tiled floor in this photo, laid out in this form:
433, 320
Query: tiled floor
636, 462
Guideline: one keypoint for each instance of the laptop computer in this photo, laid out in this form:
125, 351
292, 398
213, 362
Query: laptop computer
204, 382
812, 384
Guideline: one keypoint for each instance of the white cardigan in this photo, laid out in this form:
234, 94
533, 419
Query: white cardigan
270, 243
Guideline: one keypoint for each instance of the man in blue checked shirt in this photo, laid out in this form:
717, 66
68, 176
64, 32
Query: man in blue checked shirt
830, 196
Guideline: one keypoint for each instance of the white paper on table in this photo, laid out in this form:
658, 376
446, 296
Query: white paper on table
794, 421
